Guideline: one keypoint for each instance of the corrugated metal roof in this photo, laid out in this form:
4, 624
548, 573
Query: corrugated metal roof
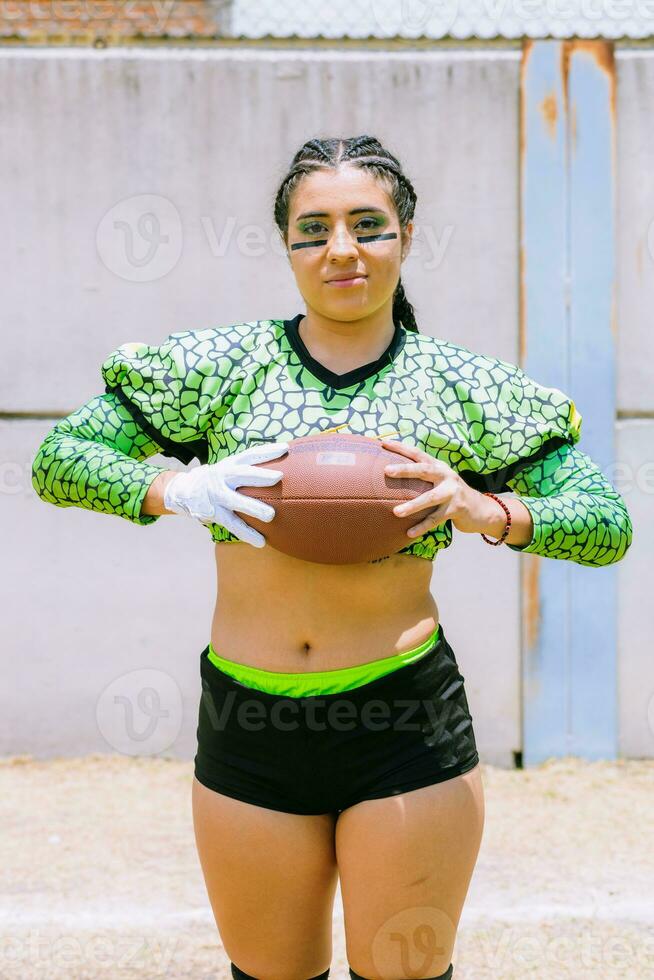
482, 19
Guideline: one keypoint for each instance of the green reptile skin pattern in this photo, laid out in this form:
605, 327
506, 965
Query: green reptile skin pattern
209, 393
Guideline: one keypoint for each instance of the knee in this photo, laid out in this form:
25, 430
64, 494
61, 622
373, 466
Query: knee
442, 976
239, 975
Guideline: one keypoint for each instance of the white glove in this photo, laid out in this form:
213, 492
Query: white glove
206, 492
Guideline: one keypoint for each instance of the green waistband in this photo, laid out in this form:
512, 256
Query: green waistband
321, 681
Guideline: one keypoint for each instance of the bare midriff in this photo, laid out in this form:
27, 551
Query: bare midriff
279, 613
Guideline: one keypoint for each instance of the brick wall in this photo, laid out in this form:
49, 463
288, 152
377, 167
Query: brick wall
80, 21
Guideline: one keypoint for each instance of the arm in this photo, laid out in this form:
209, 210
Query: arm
565, 507
577, 515
95, 458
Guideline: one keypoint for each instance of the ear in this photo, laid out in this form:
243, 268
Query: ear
407, 238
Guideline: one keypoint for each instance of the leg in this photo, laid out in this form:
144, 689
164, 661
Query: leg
271, 879
239, 975
405, 865
449, 973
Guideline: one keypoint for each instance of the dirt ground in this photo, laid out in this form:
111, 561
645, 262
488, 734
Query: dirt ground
101, 880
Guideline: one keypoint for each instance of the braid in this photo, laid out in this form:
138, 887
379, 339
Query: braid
403, 310
366, 152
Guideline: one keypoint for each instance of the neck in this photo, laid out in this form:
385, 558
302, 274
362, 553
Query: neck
343, 342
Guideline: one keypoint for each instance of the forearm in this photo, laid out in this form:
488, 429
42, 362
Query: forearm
566, 510
71, 472
577, 514
522, 525
95, 458
153, 500
587, 528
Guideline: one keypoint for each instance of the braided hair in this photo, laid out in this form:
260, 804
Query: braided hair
361, 151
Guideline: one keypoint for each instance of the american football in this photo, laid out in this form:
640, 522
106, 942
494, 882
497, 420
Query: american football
334, 503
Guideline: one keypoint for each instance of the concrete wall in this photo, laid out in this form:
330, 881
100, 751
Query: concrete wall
635, 390
200, 139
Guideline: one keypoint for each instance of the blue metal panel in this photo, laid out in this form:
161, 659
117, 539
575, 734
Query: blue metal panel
569, 621
544, 246
593, 721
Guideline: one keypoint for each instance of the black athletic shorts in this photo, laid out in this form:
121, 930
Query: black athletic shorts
322, 753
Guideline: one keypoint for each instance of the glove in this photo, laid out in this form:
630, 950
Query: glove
207, 492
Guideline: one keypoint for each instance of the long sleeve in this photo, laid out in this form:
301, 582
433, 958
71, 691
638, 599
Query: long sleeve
577, 514
158, 399
94, 458
524, 437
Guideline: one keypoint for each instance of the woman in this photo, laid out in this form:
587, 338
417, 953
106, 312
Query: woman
286, 796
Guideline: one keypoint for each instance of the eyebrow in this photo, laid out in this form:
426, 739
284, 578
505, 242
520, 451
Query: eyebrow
325, 214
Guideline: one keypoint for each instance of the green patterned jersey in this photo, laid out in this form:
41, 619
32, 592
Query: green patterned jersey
205, 394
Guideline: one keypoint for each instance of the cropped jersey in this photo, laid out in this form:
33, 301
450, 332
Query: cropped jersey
210, 393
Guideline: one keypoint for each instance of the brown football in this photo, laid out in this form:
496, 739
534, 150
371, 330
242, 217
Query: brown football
334, 503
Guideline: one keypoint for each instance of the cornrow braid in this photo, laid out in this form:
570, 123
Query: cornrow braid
362, 151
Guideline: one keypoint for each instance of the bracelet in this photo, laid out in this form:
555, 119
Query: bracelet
508, 520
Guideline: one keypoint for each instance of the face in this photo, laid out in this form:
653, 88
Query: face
336, 242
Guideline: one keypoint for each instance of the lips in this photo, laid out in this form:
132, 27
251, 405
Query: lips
348, 279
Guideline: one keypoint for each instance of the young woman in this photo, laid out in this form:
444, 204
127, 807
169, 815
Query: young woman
334, 735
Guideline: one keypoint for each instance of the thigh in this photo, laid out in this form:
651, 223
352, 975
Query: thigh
271, 879
405, 864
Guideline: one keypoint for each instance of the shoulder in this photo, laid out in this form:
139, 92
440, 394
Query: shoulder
241, 334
240, 329
183, 351
447, 355
489, 377
511, 407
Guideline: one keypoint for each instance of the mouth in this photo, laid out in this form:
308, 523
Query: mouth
352, 280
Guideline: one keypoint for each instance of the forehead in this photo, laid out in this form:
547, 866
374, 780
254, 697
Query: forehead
339, 190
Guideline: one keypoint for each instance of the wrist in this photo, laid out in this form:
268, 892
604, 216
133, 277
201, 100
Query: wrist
522, 526
495, 518
153, 502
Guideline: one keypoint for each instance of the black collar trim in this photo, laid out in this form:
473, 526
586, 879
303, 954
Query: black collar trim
319, 371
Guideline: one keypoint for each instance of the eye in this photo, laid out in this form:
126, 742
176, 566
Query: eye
310, 229
375, 222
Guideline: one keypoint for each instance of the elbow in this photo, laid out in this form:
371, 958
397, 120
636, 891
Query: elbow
624, 530
619, 535
39, 470
43, 470
626, 533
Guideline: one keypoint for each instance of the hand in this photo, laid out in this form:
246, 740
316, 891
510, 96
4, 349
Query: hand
207, 492
452, 498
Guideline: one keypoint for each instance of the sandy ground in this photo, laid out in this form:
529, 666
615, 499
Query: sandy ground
99, 879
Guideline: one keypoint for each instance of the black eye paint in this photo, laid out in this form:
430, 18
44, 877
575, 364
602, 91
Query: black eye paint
378, 238
366, 238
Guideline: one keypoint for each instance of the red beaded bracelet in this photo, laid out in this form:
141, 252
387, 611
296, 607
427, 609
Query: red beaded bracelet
508, 520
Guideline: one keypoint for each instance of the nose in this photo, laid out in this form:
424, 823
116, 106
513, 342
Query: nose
341, 245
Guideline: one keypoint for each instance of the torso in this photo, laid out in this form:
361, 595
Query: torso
282, 614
